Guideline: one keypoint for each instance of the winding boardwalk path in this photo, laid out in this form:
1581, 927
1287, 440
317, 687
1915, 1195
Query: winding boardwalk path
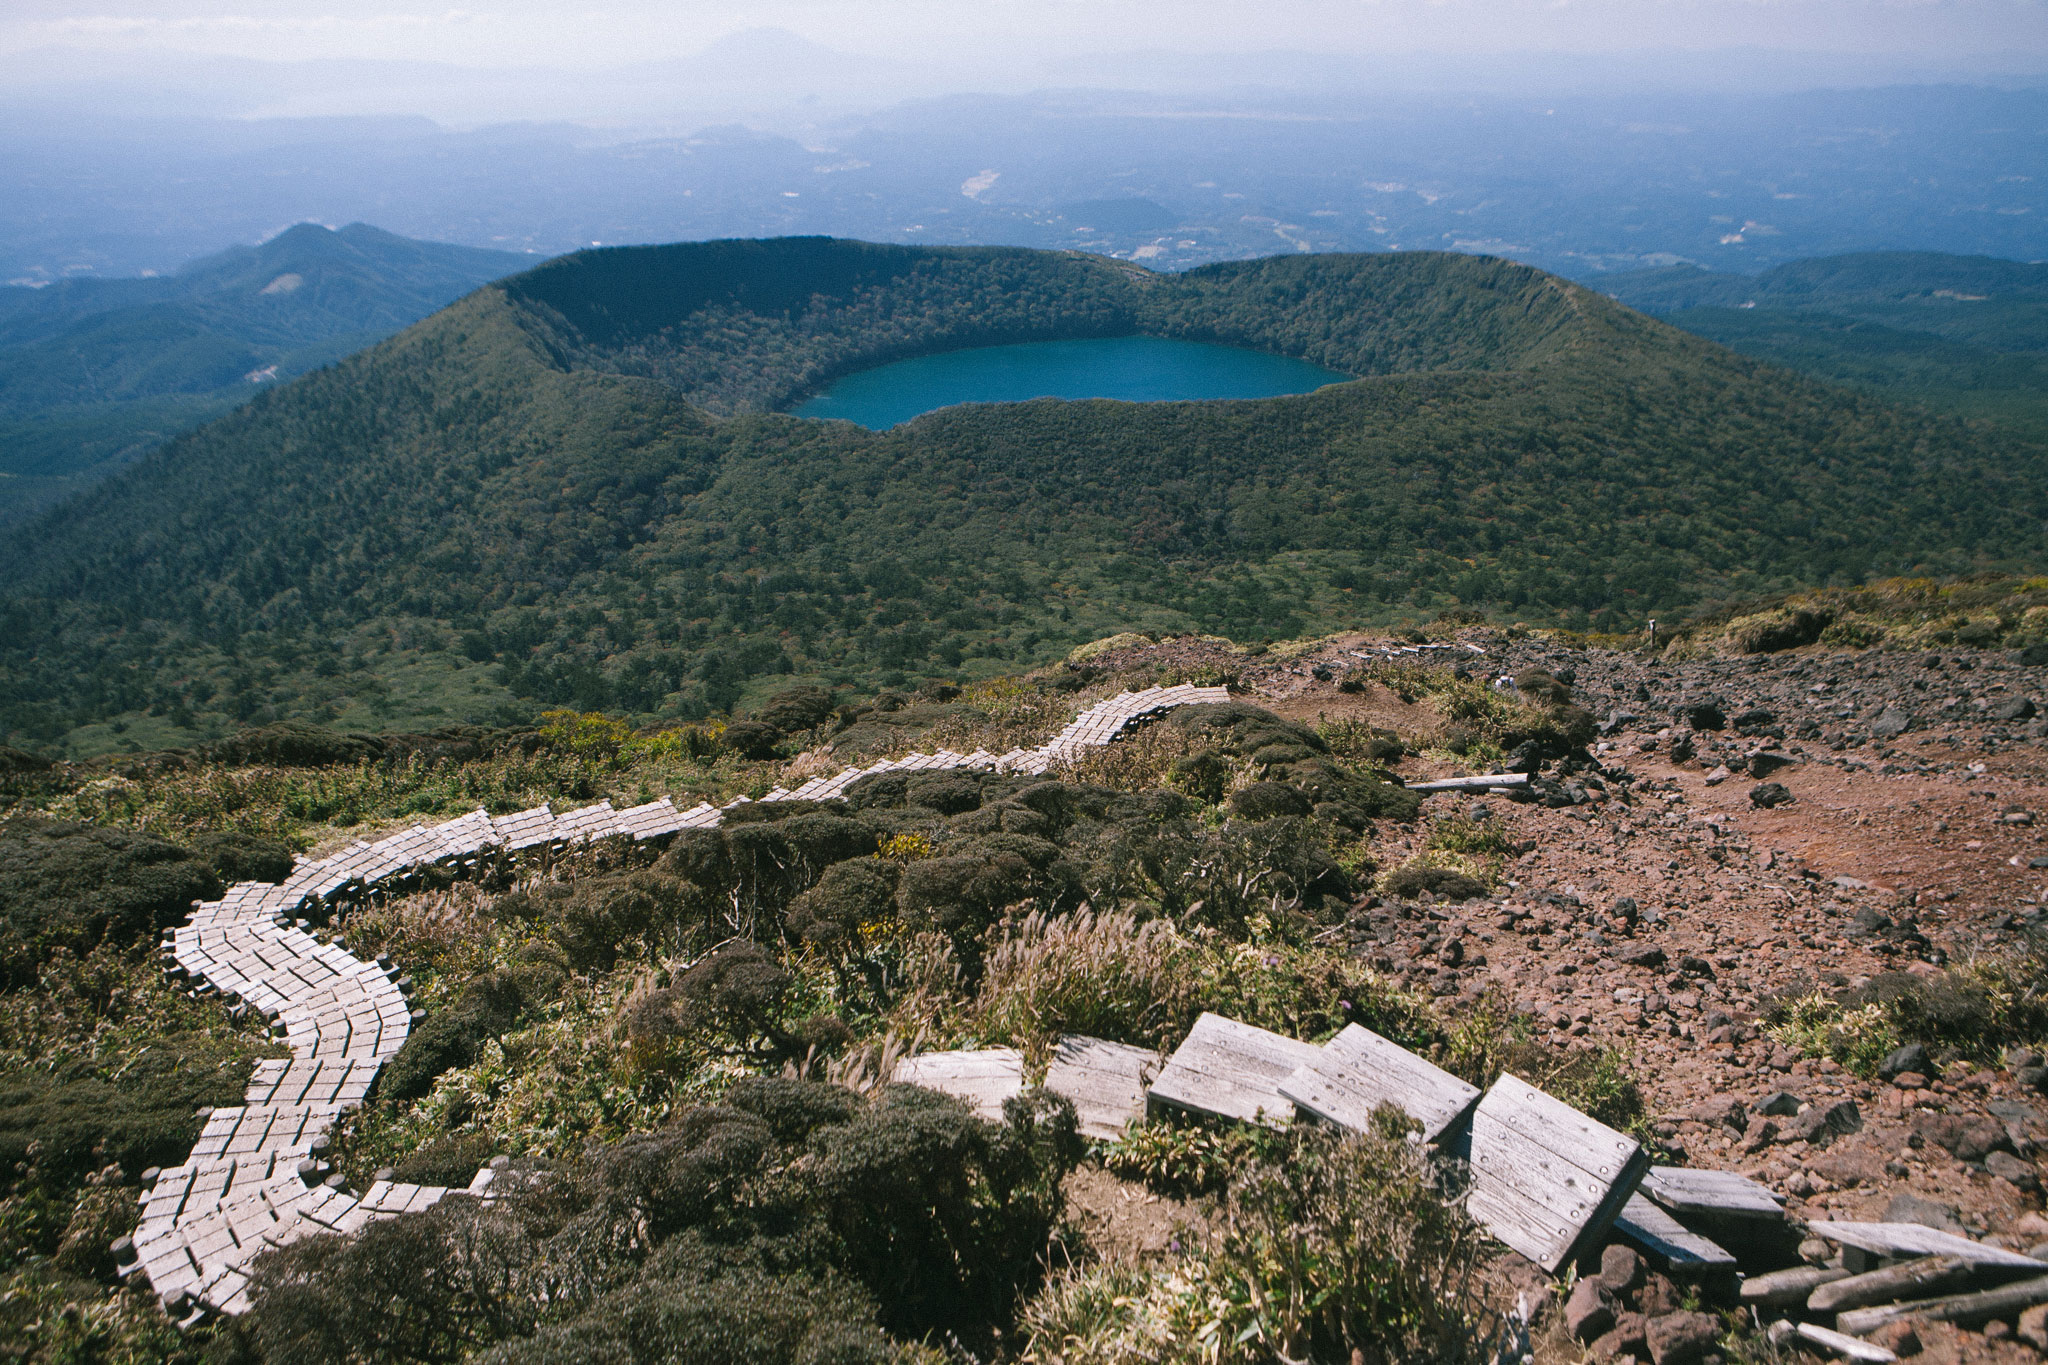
255, 1179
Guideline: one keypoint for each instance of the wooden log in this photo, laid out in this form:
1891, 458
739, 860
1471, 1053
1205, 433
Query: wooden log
1484, 782
1546, 1179
1232, 1070
1899, 1241
1842, 1344
1669, 1242
1358, 1071
1711, 1194
1784, 1288
1924, 1278
1965, 1310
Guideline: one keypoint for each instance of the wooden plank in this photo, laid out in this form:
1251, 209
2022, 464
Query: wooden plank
983, 1078
1232, 1070
1547, 1179
1906, 1240
1106, 1081
1358, 1071
1678, 1248
1719, 1194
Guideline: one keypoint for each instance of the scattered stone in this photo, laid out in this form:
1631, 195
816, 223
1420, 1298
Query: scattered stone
1779, 1104
1723, 1111
1589, 1311
1704, 715
1819, 1125
1961, 1136
1890, 723
1718, 776
1911, 1057
1640, 955
1907, 1207
1621, 1269
1769, 795
1628, 1337
1902, 1339
2013, 1171
1681, 1338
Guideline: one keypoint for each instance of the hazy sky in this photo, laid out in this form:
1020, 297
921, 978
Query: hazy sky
576, 33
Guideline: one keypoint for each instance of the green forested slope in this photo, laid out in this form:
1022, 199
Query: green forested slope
94, 371
518, 502
1961, 334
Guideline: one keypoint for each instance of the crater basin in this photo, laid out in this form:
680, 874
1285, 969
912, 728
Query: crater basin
1135, 369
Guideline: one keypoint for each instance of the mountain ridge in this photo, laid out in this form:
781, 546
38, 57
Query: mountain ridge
468, 518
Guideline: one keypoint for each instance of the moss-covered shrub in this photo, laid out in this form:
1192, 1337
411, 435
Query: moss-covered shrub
1412, 879
752, 740
242, 857
293, 744
452, 1035
795, 710
73, 886
794, 1223
1265, 800
850, 895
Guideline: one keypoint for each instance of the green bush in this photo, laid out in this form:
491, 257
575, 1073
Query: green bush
76, 886
1331, 1250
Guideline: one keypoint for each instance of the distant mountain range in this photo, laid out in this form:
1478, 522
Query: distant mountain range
94, 371
1964, 334
574, 488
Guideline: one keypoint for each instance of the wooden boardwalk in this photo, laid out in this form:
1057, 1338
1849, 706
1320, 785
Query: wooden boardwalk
254, 1180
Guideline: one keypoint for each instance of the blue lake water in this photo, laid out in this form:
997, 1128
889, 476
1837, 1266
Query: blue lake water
1136, 369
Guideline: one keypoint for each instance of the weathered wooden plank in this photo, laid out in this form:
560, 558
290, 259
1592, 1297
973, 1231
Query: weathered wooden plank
1720, 1194
1547, 1179
1904, 1240
1233, 1070
1358, 1071
1967, 1310
983, 1078
1106, 1081
1669, 1241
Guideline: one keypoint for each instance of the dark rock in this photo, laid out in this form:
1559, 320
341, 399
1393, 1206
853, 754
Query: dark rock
1589, 1312
2032, 1077
1723, 1110
1704, 715
1659, 1295
2033, 656
1766, 795
1890, 723
1769, 761
2015, 708
1640, 955
2013, 1171
1681, 1338
1621, 1269
1965, 1138
1779, 1104
1628, 1338
1822, 1124
1682, 749
1906, 1207
1911, 1057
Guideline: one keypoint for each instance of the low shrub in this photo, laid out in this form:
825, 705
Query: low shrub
1104, 974
1335, 1250
73, 886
